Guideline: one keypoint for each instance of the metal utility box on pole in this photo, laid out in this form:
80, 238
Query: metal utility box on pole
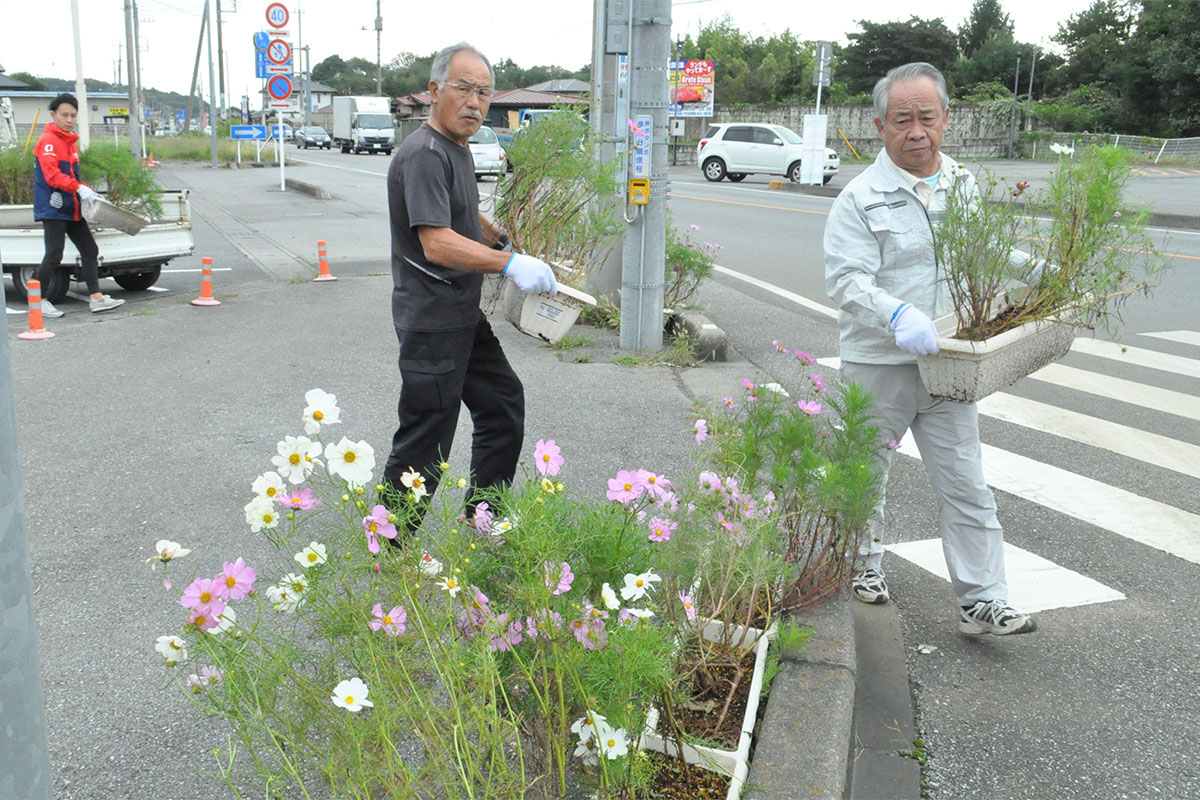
24, 751
643, 253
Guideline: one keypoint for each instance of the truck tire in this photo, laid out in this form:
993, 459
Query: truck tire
138, 281
53, 290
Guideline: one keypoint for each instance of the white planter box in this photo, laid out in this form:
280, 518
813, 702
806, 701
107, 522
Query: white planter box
546, 316
734, 763
966, 371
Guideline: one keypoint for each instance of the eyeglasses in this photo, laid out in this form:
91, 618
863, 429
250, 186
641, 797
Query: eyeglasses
465, 89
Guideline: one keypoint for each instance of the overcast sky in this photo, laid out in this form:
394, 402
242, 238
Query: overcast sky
35, 35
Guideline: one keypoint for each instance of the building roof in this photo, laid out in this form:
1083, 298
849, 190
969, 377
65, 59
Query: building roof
528, 97
568, 85
317, 86
38, 93
11, 83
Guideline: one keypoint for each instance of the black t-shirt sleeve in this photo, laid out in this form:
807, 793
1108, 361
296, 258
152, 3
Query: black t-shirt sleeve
427, 189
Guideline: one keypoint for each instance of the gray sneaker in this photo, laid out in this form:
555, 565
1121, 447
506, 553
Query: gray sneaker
48, 310
995, 617
105, 303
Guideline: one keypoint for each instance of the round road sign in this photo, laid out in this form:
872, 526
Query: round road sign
279, 51
279, 87
261, 40
277, 15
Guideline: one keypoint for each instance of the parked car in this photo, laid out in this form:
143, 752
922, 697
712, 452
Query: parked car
273, 131
488, 154
735, 150
312, 136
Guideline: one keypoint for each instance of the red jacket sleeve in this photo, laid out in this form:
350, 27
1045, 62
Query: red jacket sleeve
48, 157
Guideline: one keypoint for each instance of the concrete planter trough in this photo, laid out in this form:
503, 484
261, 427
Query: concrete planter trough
734, 763
966, 371
546, 316
104, 214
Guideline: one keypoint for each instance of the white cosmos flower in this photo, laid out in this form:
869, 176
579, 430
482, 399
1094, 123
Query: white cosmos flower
321, 410
451, 585
165, 550
637, 586
351, 695
501, 527
590, 725
225, 621
776, 388
430, 565
261, 513
586, 750
288, 594
609, 597
641, 613
414, 481
172, 648
311, 556
353, 461
613, 744
269, 485
296, 457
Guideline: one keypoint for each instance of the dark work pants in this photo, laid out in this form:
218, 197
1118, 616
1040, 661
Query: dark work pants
439, 372
55, 233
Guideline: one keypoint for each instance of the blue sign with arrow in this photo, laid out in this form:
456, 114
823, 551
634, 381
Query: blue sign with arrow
248, 131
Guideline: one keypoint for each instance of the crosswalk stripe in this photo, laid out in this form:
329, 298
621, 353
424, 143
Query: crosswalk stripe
1034, 584
1183, 337
1138, 357
1150, 448
1139, 394
1158, 525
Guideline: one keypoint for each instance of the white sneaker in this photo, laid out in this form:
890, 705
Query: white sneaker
105, 303
48, 310
870, 586
995, 617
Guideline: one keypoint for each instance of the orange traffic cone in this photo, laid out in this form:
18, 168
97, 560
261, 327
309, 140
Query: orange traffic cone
36, 329
325, 273
206, 296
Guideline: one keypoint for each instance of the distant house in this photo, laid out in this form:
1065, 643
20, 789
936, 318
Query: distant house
104, 107
562, 86
7, 83
506, 105
320, 94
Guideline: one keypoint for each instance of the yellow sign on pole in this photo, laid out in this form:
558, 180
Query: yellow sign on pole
639, 191
117, 111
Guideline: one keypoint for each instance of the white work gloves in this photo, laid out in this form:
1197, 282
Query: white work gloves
530, 274
87, 196
915, 332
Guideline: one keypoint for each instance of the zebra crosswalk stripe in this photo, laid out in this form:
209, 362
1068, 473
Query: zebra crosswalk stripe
1138, 357
1131, 392
1183, 337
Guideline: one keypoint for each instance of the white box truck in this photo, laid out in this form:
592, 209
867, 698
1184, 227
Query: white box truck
363, 124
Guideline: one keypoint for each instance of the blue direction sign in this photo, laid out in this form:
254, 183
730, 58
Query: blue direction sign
248, 131
261, 40
261, 65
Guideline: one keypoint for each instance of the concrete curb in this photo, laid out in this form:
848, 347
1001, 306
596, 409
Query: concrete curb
712, 343
801, 188
803, 746
319, 192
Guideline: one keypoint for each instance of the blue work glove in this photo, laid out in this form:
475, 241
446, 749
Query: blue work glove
915, 332
530, 274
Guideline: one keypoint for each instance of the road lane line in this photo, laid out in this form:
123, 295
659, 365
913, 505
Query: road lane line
1158, 525
339, 166
1144, 446
1139, 394
1183, 337
1138, 357
1034, 583
751, 205
773, 289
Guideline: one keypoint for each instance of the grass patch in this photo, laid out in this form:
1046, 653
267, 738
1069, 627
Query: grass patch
300, 277
627, 361
603, 315
143, 312
572, 342
582, 358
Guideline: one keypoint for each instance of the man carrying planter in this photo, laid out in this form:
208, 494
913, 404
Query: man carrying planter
441, 248
58, 199
881, 271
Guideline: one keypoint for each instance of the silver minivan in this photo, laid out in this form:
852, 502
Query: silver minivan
487, 152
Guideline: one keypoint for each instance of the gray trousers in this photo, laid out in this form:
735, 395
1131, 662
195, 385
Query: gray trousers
947, 434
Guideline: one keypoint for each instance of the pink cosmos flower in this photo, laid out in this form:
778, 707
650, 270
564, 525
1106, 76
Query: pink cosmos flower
728, 401
377, 524
483, 518
804, 358
688, 606
892, 443
749, 384
208, 676
542, 623
818, 382
201, 592
590, 635
694, 226
710, 482
559, 577
548, 457
300, 499
625, 488
661, 529
204, 617
779, 348
668, 501
508, 637
809, 407
657, 485
626, 618
235, 581
393, 622
701, 430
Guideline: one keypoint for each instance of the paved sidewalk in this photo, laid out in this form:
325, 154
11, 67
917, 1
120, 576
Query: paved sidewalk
150, 422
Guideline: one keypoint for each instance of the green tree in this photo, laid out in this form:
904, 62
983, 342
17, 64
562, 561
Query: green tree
1095, 40
34, 81
1161, 76
880, 46
987, 19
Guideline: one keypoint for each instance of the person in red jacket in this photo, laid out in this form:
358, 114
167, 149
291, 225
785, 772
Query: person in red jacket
58, 198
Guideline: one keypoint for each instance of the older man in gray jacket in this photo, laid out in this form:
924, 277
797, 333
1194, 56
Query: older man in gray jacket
881, 271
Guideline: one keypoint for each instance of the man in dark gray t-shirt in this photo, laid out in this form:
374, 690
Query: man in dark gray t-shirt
441, 247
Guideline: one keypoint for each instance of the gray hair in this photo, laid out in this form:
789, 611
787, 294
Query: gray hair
908, 72
439, 72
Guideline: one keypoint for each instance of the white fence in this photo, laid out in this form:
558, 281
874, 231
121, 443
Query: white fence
1152, 148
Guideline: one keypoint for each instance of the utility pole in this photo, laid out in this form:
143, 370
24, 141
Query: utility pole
1029, 97
1012, 117
212, 92
135, 132
378, 51
137, 58
80, 84
220, 63
24, 753
644, 249
187, 116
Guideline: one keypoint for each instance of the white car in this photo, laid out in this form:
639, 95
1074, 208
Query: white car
487, 152
734, 150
